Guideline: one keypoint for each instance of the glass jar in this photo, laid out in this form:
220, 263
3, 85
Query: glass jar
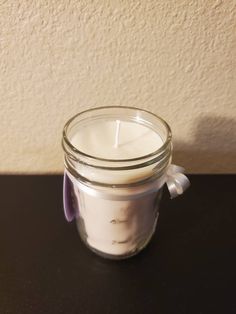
115, 201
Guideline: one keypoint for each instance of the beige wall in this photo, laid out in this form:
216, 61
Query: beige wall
174, 58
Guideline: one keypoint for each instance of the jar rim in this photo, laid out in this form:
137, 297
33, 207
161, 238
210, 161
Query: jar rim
95, 158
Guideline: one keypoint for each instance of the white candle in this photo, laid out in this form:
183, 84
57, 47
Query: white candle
116, 227
99, 139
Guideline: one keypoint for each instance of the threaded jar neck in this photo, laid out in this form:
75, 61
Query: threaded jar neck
96, 169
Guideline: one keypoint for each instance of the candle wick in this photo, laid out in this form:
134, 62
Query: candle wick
117, 133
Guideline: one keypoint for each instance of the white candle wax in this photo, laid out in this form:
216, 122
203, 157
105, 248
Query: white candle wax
116, 227
99, 138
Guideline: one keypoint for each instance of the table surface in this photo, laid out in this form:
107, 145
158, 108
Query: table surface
189, 266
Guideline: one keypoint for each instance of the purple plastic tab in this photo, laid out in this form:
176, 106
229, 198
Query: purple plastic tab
69, 209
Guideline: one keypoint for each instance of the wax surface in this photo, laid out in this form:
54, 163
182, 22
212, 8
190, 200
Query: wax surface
99, 138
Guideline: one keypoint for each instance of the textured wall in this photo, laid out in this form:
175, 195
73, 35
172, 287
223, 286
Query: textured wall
174, 58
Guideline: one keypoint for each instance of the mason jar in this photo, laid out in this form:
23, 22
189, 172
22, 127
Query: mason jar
116, 163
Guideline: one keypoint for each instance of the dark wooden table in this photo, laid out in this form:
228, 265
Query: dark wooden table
189, 267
